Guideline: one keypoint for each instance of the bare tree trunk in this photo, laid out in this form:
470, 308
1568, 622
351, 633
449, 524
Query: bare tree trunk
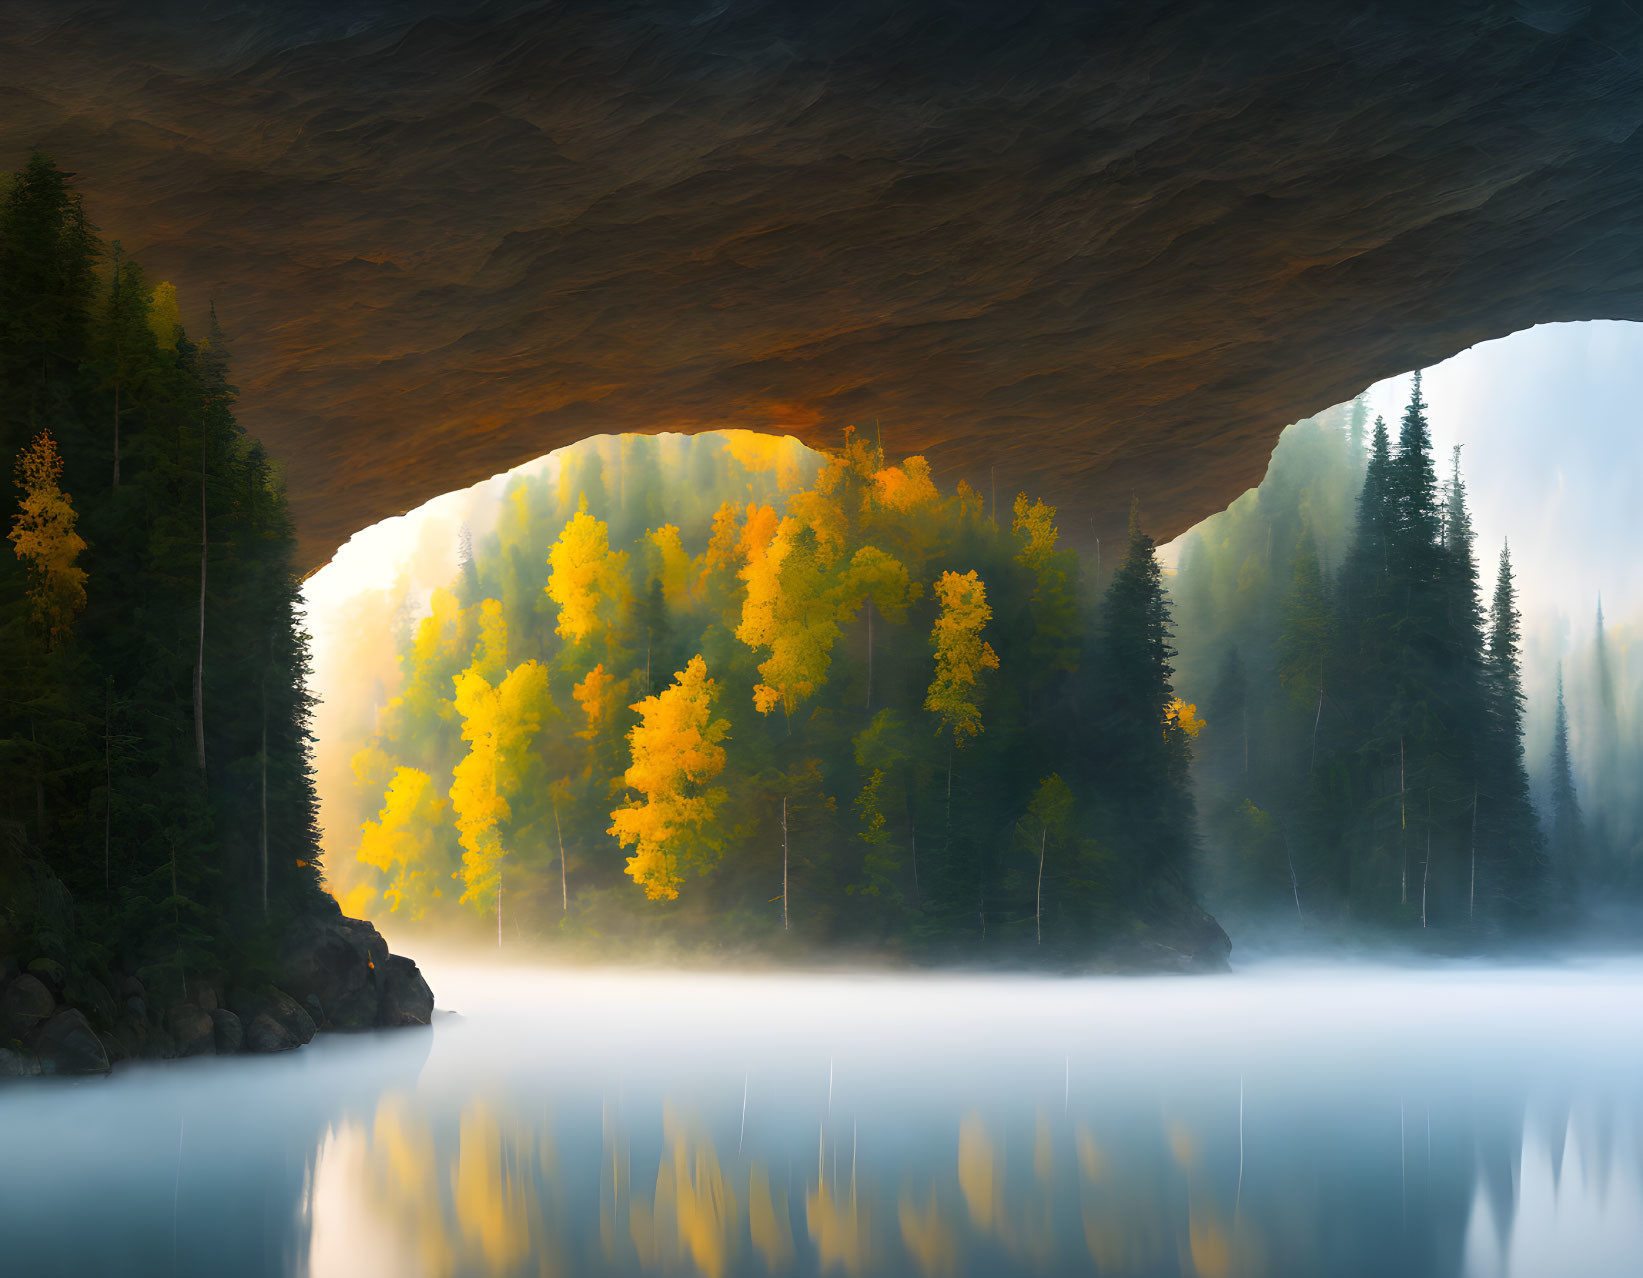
1038, 904
499, 906
869, 656
1403, 826
912, 835
1317, 718
265, 800
1472, 891
199, 662
108, 791
564, 891
116, 365
1426, 871
784, 863
116, 430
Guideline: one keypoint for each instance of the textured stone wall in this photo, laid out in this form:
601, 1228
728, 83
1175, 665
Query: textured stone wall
1090, 249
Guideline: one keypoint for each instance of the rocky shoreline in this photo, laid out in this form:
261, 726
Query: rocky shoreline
335, 973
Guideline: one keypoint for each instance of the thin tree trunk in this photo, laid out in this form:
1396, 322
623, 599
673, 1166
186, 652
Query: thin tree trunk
116, 366
912, 835
1246, 740
1426, 871
264, 840
199, 662
1038, 904
1472, 891
1403, 826
116, 430
499, 905
108, 791
784, 863
869, 656
1317, 718
564, 891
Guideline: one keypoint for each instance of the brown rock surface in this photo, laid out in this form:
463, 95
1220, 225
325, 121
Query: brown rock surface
1101, 248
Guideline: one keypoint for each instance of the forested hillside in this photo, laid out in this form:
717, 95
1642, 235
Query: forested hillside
1358, 669
722, 690
157, 817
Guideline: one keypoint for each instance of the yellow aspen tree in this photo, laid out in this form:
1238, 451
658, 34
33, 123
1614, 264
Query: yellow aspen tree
498, 723
961, 654
44, 539
402, 843
789, 610
676, 754
597, 695
880, 583
165, 318
491, 650
1184, 716
588, 579
675, 573
906, 487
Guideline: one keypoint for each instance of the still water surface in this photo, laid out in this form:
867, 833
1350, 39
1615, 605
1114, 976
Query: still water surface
1346, 1122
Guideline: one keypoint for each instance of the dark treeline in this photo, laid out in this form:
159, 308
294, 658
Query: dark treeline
156, 810
723, 690
1360, 676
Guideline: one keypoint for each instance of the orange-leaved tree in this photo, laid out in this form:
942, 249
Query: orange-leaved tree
676, 754
44, 538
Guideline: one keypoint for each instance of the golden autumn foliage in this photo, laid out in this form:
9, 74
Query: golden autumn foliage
491, 650
790, 610
499, 725
906, 487
164, 316
1184, 716
961, 653
1034, 523
588, 579
676, 753
44, 539
597, 694
402, 842
675, 564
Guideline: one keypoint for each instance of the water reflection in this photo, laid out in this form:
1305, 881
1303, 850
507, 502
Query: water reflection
1464, 1124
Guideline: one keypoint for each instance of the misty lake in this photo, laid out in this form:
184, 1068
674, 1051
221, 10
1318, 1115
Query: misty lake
1285, 1122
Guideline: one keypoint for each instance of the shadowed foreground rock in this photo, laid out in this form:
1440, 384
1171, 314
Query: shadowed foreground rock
335, 973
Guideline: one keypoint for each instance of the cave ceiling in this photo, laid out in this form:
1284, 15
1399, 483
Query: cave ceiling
1092, 250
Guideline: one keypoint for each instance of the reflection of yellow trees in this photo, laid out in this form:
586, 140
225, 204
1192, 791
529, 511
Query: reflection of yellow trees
978, 1176
767, 1220
838, 1222
928, 1238
694, 1213
492, 1191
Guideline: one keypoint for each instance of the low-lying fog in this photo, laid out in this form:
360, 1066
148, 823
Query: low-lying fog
1451, 1121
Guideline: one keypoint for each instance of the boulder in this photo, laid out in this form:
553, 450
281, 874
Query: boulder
277, 1005
316, 1010
66, 1044
130, 987
136, 1007
191, 1026
92, 997
51, 972
229, 1033
8, 970
206, 996
17, 1064
335, 959
25, 1003
406, 998
134, 1038
265, 1034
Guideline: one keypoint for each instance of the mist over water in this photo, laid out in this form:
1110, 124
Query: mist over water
1457, 1121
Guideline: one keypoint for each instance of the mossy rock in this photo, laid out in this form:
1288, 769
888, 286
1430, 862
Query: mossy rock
51, 973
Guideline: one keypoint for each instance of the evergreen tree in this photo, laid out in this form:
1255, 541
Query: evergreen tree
1503, 814
1567, 842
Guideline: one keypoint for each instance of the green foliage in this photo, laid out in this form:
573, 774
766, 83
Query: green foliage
101, 776
930, 674
1364, 754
